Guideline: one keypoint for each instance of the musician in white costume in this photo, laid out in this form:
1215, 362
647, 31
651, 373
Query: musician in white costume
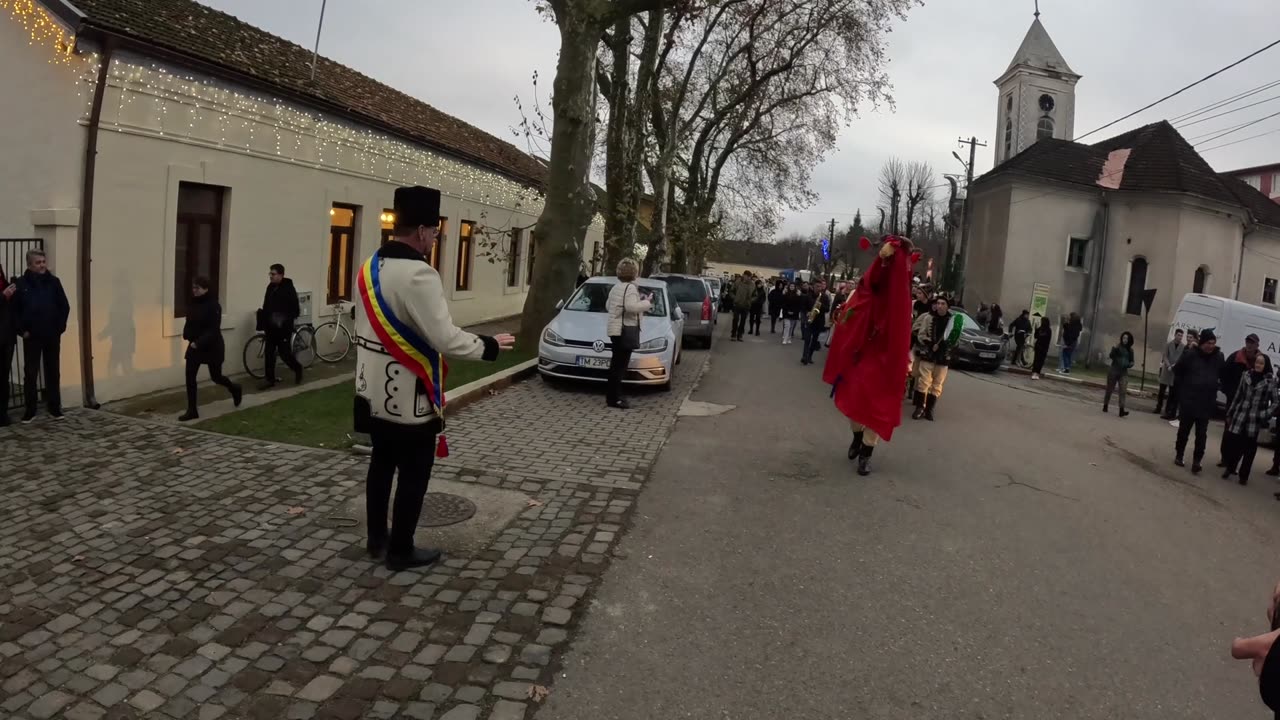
403, 326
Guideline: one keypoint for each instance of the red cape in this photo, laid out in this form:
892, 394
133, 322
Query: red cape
870, 346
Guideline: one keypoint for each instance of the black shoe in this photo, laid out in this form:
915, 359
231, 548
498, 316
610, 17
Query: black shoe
237, 394
929, 404
268, 384
1244, 480
416, 558
27, 418
5, 421
620, 405
1124, 413
1167, 417
297, 376
1226, 473
1104, 409
56, 414
856, 446
1274, 471
864, 461
377, 548
189, 415
1196, 467
1177, 460
1222, 463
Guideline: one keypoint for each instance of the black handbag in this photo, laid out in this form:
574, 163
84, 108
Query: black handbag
629, 338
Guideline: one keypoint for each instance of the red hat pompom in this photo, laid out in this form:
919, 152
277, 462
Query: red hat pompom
864, 243
915, 257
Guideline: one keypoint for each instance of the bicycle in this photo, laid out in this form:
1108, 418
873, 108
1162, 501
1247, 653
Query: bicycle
303, 342
333, 339
1028, 352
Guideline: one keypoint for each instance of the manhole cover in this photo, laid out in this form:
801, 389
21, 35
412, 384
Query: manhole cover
440, 509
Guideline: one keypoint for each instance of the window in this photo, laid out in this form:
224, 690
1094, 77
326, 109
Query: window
1077, 252
1008, 139
1269, 291
466, 232
388, 219
342, 247
1137, 285
1201, 280
533, 249
1254, 181
437, 250
198, 246
1044, 129
593, 297
513, 258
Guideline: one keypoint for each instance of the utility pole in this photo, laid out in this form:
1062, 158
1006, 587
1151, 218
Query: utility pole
973, 144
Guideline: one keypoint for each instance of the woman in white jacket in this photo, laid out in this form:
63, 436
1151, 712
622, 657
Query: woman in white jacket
626, 306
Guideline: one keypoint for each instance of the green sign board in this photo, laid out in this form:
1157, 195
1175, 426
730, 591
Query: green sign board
1040, 300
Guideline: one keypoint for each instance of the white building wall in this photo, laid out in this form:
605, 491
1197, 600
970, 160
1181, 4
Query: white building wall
1261, 261
1042, 219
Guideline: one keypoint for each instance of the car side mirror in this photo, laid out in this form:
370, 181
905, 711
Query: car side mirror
559, 304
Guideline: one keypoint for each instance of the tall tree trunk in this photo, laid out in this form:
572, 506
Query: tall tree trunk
620, 212
570, 202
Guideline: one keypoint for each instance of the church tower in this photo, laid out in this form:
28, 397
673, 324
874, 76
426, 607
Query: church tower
1037, 96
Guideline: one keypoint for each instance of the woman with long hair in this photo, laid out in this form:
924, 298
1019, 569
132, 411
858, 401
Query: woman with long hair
1248, 414
626, 305
1118, 373
1044, 337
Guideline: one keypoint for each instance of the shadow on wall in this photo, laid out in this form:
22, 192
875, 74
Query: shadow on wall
120, 329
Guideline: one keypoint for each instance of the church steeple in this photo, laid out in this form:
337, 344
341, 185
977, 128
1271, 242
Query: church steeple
1037, 95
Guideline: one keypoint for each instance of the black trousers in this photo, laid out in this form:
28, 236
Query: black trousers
813, 341
739, 322
773, 321
215, 374
1185, 423
6, 366
411, 451
280, 341
38, 353
1041, 354
1161, 396
756, 316
1238, 453
1019, 342
617, 370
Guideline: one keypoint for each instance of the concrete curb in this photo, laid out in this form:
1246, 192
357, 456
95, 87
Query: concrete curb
1087, 382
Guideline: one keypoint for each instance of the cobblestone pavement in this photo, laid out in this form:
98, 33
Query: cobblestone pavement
155, 571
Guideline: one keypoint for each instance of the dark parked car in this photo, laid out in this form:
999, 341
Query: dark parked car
977, 347
695, 298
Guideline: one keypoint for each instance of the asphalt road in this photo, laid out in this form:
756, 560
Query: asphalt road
1025, 556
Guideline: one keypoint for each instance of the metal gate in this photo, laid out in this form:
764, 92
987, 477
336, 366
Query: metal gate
13, 260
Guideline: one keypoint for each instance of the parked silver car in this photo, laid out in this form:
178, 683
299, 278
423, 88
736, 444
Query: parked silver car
977, 347
575, 344
698, 302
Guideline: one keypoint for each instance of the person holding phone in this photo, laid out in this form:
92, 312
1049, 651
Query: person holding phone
626, 305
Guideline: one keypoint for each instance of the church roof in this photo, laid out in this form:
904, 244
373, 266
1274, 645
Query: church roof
1159, 159
223, 45
1038, 51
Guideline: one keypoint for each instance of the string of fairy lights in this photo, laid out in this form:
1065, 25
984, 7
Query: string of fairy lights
150, 99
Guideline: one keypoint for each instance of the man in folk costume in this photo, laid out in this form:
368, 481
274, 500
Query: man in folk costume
403, 328
869, 349
933, 336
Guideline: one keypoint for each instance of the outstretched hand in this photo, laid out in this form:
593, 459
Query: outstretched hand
1256, 648
506, 341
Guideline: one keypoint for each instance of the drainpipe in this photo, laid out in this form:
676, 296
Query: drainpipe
85, 315
1097, 278
1249, 228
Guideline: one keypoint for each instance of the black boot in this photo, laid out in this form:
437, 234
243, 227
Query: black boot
864, 460
1275, 470
415, 558
1196, 467
1177, 460
190, 414
856, 446
237, 394
929, 403
919, 413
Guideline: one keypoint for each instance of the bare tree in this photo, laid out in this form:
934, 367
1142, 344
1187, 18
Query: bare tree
920, 182
893, 180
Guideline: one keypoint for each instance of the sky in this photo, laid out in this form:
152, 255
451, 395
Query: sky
472, 59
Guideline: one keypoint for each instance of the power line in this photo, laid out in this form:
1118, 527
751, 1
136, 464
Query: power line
1242, 107
1237, 142
1222, 103
1179, 92
1195, 138
1238, 129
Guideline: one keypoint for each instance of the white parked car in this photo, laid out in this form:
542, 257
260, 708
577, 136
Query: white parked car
575, 346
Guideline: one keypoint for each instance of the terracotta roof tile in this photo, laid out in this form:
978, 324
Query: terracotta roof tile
216, 38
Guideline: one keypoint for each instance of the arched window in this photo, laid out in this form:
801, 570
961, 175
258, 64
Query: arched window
1008, 139
1201, 282
1045, 128
1137, 286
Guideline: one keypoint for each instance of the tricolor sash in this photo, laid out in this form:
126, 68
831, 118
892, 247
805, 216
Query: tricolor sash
405, 345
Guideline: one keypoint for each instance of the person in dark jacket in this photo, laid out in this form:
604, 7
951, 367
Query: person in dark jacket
1021, 328
1248, 413
757, 309
1043, 339
775, 305
1071, 330
933, 336
1239, 363
1118, 373
8, 339
818, 309
279, 311
996, 324
1197, 374
40, 315
203, 333
792, 307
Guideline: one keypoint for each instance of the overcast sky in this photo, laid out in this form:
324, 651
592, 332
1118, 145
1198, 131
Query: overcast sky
472, 58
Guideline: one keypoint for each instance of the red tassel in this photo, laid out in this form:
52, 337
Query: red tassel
915, 257
864, 243
442, 447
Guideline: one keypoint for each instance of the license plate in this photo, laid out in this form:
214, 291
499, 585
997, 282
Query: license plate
593, 362
986, 356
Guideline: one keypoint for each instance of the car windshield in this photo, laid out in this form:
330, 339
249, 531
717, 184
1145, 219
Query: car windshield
967, 322
594, 298
715, 285
685, 290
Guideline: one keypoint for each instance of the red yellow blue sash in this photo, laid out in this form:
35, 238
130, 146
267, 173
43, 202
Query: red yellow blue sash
406, 346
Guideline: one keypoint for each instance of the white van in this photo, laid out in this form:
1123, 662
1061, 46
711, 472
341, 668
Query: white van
1231, 321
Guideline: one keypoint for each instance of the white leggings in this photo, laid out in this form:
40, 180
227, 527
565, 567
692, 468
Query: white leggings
788, 329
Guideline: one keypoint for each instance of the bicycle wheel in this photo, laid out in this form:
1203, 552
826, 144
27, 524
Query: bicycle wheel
1028, 355
255, 362
304, 346
333, 342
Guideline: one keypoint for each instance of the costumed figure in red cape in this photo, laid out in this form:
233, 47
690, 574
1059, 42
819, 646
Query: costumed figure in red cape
870, 349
